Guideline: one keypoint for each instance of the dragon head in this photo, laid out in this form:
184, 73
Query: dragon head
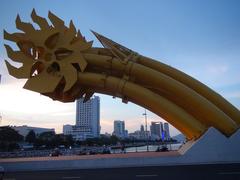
50, 56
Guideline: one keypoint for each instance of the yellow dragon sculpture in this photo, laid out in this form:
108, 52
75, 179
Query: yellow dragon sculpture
60, 63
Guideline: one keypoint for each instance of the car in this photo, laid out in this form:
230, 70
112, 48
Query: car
162, 149
55, 152
92, 151
106, 150
82, 152
1, 172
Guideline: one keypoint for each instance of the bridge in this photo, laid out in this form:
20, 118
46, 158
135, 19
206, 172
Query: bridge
60, 63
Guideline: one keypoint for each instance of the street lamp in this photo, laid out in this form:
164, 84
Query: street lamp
145, 114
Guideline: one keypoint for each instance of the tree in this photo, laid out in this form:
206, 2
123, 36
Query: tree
31, 137
114, 139
68, 140
49, 135
47, 139
8, 134
9, 138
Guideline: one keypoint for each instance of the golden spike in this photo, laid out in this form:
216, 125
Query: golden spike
70, 34
15, 37
72, 28
22, 72
117, 49
88, 95
42, 22
104, 39
38, 82
70, 75
56, 21
79, 35
17, 56
26, 27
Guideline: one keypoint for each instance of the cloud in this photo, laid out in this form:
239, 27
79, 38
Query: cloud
217, 69
235, 94
19, 121
64, 113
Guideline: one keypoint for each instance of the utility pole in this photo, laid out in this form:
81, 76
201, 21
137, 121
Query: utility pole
145, 114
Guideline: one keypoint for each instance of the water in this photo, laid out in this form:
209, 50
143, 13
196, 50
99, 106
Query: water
150, 147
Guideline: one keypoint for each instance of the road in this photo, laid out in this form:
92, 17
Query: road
96, 156
185, 172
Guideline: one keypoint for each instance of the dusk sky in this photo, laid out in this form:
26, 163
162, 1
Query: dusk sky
199, 37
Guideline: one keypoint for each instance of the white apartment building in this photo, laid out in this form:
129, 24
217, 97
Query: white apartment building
87, 120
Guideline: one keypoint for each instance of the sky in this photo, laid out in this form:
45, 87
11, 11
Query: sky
199, 37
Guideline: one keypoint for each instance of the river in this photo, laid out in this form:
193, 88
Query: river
150, 147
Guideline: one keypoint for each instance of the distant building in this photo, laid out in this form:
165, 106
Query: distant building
156, 129
126, 133
67, 129
135, 135
160, 131
107, 135
140, 135
24, 130
166, 131
78, 132
87, 120
119, 129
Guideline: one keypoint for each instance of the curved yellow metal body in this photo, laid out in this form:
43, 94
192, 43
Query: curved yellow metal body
185, 97
194, 84
64, 66
144, 97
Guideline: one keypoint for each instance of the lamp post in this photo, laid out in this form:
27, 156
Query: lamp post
145, 114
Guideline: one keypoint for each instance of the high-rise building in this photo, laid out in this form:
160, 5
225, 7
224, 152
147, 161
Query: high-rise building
87, 120
119, 129
156, 129
160, 130
88, 117
166, 131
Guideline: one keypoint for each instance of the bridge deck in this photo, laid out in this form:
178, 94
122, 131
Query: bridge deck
98, 156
